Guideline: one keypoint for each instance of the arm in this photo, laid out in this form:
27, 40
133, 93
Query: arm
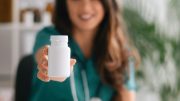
128, 95
40, 53
128, 91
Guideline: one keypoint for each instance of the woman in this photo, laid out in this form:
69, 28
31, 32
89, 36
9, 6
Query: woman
98, 44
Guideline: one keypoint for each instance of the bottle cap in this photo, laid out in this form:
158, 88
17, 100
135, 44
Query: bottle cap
62, 38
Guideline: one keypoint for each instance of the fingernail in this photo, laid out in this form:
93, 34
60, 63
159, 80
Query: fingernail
43, 62
47, 79
44, 71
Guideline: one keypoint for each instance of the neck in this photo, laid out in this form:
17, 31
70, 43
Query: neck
85, 40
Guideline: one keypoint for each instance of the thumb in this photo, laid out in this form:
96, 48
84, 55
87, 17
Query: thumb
72, 63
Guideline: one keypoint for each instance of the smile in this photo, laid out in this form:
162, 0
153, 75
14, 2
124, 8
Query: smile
86, 17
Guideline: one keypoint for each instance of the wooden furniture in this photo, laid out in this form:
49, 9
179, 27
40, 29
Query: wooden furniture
5, 11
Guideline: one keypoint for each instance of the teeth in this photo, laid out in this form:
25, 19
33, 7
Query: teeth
86, 16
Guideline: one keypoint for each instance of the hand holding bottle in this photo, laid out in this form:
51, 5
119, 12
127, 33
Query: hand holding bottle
42, 60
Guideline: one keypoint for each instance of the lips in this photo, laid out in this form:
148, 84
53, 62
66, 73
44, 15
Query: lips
86, 17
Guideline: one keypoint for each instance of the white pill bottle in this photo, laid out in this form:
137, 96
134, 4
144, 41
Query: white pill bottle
59, 56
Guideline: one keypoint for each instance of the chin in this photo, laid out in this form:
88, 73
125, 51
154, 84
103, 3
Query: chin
88, 27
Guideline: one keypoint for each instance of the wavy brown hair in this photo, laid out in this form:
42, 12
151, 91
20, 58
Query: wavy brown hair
110, 43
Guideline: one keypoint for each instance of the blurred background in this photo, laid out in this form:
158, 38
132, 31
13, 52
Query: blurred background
153, 25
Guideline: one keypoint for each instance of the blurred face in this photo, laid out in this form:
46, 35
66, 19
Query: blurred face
85, 15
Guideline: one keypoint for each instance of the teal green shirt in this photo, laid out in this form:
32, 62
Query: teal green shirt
61, 91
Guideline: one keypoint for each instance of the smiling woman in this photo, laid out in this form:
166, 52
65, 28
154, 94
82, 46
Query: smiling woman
98, 42
85, 15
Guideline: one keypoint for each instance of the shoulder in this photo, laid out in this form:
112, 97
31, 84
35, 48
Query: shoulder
49, 30
43, 36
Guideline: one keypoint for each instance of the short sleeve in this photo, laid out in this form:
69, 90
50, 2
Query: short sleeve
130, 82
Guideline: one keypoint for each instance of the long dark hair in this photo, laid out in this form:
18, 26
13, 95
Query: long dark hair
109, 43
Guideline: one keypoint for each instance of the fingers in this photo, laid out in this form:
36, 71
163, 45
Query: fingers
72, 63
43, 71
42, 52
45, 50
43, 76
43, 64
59, 79
43, 59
